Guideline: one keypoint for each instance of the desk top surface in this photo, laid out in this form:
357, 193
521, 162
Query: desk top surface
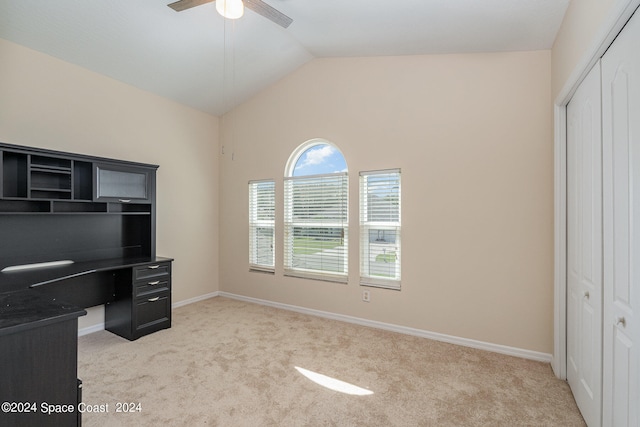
17, 280
27, 309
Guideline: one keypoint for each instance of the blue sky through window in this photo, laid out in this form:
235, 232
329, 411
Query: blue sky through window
320, 159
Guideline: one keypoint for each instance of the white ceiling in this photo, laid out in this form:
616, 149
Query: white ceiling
181, 55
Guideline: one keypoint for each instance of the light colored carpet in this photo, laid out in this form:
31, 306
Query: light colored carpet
231, 363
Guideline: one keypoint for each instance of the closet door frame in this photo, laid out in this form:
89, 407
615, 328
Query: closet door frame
614, 23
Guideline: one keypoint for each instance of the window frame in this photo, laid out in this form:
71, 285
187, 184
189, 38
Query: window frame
367, 225
338, 218
256, 222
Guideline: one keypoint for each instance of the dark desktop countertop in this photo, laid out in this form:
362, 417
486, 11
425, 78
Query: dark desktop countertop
27, 309
16, 280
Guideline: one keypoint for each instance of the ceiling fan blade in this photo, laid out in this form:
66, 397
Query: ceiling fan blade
262, 8
181, 5
258, 6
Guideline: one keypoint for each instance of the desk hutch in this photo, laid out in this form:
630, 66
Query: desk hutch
76, 231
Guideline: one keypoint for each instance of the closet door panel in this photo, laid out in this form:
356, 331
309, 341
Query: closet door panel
584, 248
621, 216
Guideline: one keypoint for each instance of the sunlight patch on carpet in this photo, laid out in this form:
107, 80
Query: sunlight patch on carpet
334, 384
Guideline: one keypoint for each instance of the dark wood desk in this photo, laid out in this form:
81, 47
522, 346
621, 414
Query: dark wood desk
100, 213
136, 291
39, 312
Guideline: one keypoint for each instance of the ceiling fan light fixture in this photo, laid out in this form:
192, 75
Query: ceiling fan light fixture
231, 9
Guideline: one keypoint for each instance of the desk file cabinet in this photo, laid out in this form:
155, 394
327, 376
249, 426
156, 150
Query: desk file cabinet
142, 301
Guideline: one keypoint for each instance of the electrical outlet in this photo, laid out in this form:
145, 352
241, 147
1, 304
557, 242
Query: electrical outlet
366, 296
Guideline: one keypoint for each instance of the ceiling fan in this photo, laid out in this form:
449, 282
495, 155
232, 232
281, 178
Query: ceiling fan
257, 6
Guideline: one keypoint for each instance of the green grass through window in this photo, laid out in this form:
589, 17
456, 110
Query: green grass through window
309, 246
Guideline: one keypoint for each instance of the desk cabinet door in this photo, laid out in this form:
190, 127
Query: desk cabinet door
153, 314
39, 365
122, 183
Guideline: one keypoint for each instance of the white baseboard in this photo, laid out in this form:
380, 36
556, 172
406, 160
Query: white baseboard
91, 329
481, 345
496, 348
195, 299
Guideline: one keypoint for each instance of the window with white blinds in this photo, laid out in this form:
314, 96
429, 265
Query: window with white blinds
380, 228
316, 226
261, 225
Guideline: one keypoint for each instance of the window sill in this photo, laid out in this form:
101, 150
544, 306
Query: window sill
321, 277
262, 270
393, 285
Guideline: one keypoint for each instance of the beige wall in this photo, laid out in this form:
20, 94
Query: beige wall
472, 134
473, 137
582, 21
48, 103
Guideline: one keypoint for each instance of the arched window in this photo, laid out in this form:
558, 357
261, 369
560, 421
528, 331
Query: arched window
316, 212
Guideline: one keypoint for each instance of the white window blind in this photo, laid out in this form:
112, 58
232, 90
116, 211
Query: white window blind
261, 225
316, 227
380, 228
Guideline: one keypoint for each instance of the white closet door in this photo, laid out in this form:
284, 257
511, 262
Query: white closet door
584, 248
621, 198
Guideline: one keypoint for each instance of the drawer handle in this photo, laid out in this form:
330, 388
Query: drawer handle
153, 283
153, 299
153, 267
124, 200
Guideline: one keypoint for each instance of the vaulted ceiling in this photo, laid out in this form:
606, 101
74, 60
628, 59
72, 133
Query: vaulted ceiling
198, 58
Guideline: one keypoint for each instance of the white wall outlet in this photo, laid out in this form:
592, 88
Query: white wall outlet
366, 296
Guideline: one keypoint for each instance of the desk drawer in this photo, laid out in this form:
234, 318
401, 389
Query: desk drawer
142, 300
153, 313
150, 287
151, 271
